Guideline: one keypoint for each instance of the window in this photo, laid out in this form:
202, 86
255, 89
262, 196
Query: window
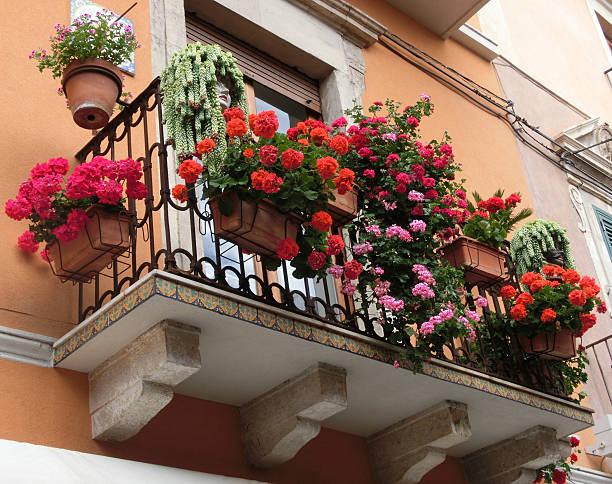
604, 220
294, 97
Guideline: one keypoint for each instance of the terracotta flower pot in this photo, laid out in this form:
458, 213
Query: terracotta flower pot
344, 208
253, 226
481, 262
560, 345
92, 87
106, 236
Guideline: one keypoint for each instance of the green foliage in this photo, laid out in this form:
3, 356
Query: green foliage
191, 105
573, 374
533, 239
97, 36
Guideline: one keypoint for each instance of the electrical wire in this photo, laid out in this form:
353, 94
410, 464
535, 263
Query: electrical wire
445, 76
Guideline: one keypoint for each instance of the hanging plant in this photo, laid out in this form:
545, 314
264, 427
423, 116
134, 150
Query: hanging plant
536, 241
192, 110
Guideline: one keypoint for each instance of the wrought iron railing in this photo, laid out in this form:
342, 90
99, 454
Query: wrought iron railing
179, 238
599, 354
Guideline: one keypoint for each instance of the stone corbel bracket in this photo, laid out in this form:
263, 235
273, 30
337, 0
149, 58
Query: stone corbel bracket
515, 460
278, 423
136, 383
407, 450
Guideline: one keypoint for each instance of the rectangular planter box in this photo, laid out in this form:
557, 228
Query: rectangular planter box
344, 208
256, 227
106, 235
481, 262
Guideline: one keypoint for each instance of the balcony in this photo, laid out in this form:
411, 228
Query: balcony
261, 329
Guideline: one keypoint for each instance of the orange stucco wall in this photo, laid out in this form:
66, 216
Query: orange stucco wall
484, 144
50, 407
37, 126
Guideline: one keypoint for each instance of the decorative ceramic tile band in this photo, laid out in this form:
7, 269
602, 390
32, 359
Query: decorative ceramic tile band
220, 304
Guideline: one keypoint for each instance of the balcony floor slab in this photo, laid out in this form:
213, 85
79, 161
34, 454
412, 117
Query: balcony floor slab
249, 347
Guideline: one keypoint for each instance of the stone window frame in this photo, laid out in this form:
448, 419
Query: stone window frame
355, 30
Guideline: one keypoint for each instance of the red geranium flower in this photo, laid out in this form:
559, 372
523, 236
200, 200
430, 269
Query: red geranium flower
233, 113
339, 144
588, 321
524, 298
287, 249
548, 315
573, 458
574, 441
559, 477
268, 154
266, 181
190, 171
352, 269
248, 153
570, 276
577, 297
335, 245
529, 277
318, 136
317, 260
518, 312
538, 284
180, 192
344, 180
236, 128
513, 200
508, 292
264, 124
292, 159
321, 221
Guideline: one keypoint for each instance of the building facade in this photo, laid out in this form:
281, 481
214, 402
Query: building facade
148, 374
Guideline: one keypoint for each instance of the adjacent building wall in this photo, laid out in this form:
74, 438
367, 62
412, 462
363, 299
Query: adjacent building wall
558, 43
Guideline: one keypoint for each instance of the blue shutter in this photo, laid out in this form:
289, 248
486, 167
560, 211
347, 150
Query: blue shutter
604, 220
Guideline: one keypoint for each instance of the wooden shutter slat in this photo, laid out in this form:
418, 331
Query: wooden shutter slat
252, 69
258, 66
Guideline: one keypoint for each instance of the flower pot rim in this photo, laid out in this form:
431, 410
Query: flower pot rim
93, 64
463, 238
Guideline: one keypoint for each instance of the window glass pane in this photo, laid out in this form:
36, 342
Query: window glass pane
289, 112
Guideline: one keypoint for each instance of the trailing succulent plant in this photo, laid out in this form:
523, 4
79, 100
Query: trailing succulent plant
535, 241
192, 110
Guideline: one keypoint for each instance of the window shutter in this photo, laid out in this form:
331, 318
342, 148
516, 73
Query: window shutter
605, 224
258, 66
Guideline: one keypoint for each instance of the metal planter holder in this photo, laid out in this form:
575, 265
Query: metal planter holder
560, 345
105, 237
256, 227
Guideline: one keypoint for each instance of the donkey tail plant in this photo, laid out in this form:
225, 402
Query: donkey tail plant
192, 110
531, 242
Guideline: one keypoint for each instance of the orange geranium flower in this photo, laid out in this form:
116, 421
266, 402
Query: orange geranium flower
339, 144
327, 167
190, 171
205, 146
